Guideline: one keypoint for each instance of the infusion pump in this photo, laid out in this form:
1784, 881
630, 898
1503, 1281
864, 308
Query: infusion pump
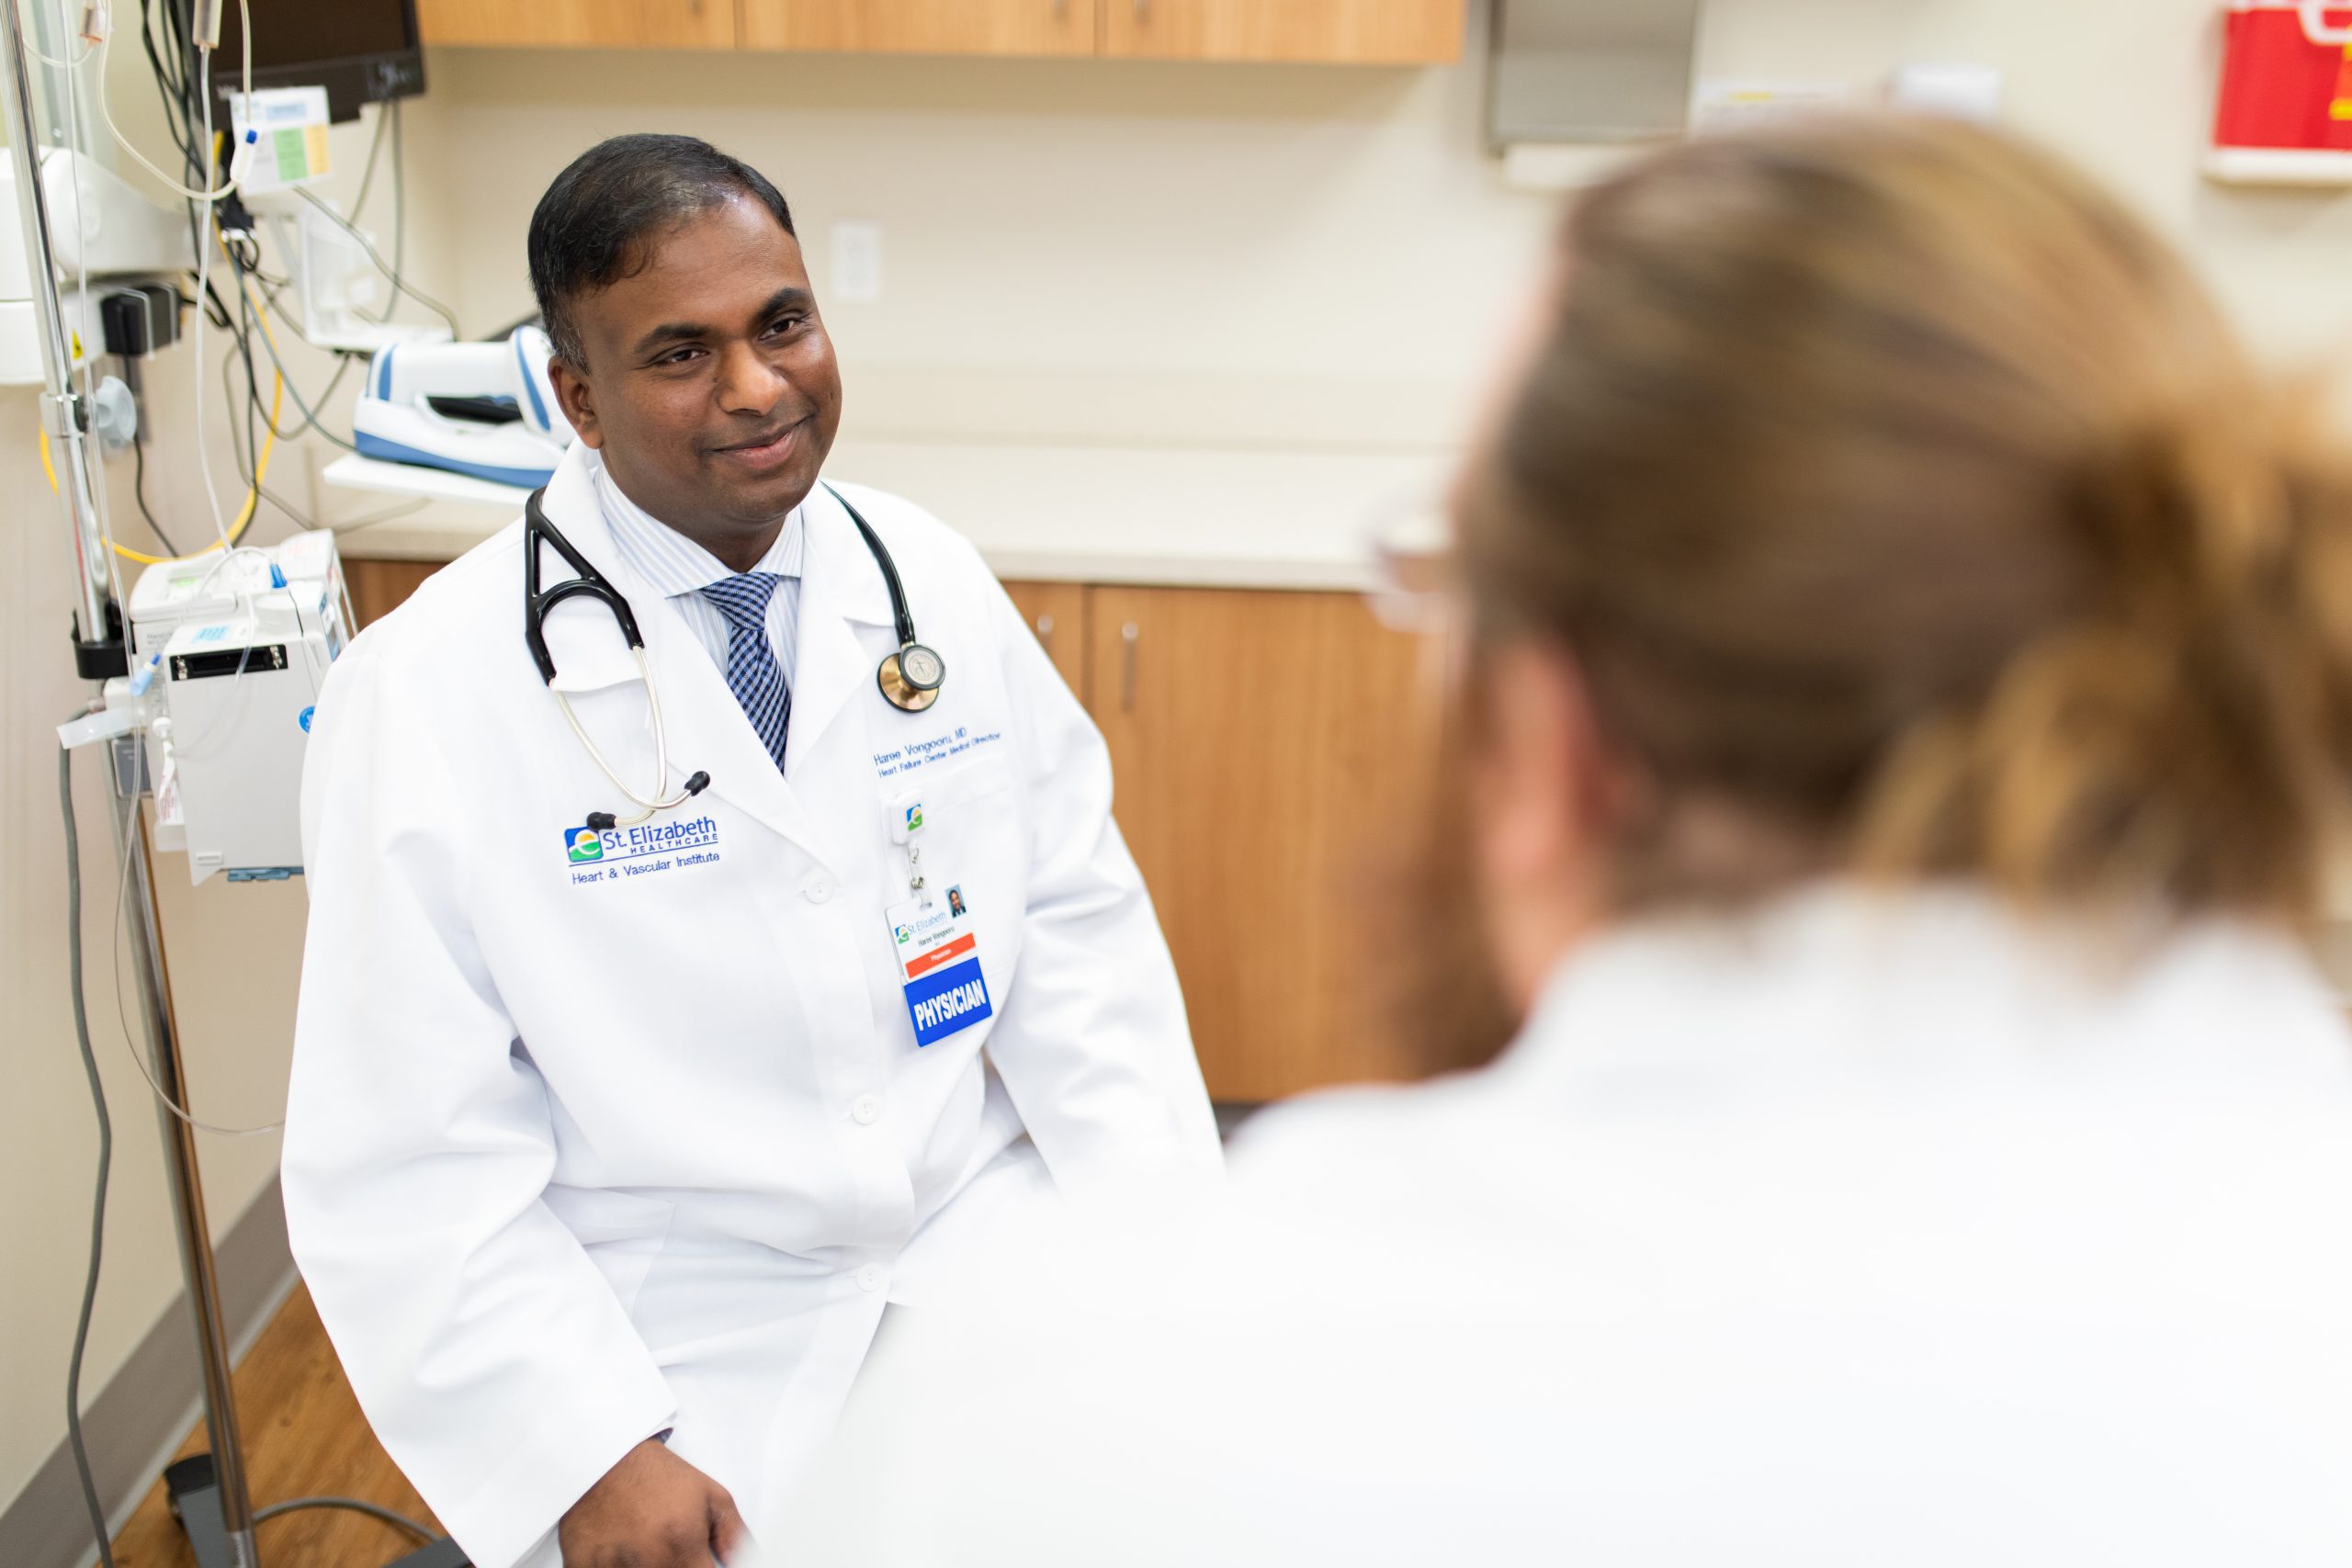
228, 656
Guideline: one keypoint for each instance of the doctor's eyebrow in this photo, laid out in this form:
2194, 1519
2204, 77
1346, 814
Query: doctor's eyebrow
692, 331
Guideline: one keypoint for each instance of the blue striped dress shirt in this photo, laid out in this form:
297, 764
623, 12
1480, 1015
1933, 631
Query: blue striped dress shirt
678, 568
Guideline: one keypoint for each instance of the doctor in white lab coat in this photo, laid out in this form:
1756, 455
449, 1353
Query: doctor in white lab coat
605, 1152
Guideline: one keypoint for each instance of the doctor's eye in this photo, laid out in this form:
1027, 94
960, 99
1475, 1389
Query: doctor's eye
783, 324
684, 354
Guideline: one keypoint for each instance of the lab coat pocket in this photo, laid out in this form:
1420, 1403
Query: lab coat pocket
623, 1233
980, 777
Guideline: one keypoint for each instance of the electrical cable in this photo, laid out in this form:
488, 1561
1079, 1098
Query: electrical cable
373, 1510
392, 274
138, 492
105, 109
105, 1162
130, 831
228, 542
203, 286
375, 146
259, 311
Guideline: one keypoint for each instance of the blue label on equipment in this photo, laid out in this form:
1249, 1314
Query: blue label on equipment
956, 998
304, 720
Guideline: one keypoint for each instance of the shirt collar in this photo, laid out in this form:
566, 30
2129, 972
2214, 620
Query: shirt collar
672, 563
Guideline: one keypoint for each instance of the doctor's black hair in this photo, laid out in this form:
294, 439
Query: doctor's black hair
593, 225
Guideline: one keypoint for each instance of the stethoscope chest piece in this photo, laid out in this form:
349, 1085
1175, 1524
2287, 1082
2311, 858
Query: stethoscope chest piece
911, 677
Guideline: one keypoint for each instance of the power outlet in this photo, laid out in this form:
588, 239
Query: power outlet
857, 262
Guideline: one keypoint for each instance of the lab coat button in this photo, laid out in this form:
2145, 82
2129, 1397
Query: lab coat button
866, 1109
820, 888
869, 1278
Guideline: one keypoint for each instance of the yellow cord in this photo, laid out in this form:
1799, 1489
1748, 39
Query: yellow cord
261, 463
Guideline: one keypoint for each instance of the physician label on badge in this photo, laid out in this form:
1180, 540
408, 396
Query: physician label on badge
941, 960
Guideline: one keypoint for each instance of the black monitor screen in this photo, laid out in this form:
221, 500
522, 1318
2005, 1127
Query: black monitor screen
302, 31
360, 51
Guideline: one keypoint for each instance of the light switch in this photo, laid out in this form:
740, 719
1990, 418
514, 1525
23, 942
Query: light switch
857, 262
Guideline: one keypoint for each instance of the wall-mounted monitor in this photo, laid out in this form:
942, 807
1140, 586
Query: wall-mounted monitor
361, 52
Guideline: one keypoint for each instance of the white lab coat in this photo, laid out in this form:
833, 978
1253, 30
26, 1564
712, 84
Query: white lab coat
571, 1159
1858, 1234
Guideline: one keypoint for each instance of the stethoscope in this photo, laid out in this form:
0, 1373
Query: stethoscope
909, 676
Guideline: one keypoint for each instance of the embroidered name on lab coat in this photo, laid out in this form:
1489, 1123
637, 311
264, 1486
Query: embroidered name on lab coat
916, 755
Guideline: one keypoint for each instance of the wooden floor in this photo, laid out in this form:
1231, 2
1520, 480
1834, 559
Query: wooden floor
303, 1436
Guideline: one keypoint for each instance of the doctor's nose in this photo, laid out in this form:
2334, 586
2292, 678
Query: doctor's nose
747, 382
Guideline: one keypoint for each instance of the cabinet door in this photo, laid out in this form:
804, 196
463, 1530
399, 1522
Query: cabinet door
608, 24
1057, 613
380, 587
1263, 746
1342, 32
924, 26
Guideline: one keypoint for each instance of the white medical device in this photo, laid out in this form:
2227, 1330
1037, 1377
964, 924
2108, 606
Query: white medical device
228, 654
483, 408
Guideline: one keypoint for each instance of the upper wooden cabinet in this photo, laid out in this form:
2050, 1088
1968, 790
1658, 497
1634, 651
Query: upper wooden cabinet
926, 26
580, 24
1338, 32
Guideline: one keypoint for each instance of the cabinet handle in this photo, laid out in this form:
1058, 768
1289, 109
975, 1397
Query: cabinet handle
1129, 635
1046, 633
1143, 10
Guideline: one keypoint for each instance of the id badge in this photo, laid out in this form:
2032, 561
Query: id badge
940, 958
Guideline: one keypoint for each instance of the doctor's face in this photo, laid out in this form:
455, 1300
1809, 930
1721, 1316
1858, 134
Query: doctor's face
710, 386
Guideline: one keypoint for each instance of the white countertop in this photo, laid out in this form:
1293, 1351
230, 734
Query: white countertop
1195, 516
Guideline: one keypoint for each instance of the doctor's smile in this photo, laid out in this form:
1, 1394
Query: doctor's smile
766, 452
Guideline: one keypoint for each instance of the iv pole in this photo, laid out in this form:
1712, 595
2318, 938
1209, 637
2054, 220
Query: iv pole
213, 1505
209, 1492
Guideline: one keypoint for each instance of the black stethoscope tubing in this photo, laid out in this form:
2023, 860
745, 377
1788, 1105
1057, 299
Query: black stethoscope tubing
908, 677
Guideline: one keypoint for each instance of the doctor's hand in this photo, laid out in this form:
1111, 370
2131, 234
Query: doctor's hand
652, 1510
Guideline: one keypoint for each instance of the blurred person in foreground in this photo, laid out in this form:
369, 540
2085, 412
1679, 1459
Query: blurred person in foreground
1904, 696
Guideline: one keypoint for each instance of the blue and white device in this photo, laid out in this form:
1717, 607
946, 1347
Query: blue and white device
483, 408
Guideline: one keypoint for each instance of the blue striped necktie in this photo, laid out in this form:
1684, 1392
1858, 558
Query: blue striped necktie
752, 673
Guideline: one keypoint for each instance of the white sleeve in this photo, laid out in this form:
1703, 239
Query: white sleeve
490, 1356
1092, 1045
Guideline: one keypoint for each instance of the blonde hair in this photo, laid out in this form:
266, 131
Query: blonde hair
1897, 490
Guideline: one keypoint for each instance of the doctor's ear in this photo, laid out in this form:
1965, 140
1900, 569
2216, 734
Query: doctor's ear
579, 405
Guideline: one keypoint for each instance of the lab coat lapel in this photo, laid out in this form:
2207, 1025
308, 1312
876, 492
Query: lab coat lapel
707, 725
841, 591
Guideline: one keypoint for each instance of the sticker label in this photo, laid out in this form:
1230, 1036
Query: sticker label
939, 955
649, 849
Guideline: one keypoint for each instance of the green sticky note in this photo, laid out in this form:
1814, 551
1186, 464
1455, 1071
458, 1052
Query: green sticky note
293, 157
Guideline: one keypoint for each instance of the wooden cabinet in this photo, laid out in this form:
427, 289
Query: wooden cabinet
380, 587
924, 26
1267, 749
1263, 746
1057, 612
1338, 33
1341, 32
605, 24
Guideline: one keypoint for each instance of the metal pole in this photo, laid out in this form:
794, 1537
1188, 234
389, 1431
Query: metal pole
222, 1516
218, 1516
62, 415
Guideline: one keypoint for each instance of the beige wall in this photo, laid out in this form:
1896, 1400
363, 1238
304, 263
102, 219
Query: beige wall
1230, 256
1207, 257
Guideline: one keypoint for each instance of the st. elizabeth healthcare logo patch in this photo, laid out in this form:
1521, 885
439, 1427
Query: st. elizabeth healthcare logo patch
583, 844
